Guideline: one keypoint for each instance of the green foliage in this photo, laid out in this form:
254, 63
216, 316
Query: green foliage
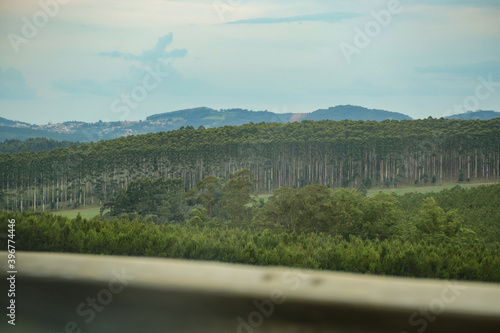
435, 225
383, 217
161, 197
229, 200
32, 144
316, 208
478, 208
445, 260
198, 218
236, 195
299, 210
353, 154
207, 193
453, 234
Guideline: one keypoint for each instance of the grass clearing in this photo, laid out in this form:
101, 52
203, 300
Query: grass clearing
405, 189
423, 189
262, 196
86, 213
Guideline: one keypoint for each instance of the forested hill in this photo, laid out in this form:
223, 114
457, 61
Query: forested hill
215, 118
479, 115
336, 154
36, 145
7, 122
206, 117
351, 112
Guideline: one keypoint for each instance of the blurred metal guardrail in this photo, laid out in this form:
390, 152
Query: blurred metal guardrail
83, 293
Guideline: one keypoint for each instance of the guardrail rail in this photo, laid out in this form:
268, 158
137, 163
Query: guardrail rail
74, 293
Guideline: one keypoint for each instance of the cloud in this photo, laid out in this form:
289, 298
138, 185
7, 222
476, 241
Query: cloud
472, 3
171, 81
152, 61
468, 70
13, 85
323, 17
85, 87
157, 53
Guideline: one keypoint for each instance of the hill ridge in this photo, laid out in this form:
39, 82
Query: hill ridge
473, 115
196, 117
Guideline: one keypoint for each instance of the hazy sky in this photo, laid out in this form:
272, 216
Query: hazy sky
96, 60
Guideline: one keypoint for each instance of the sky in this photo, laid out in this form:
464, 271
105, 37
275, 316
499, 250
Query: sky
91, 60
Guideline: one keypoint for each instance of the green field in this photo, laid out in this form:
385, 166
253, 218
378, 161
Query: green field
423, 189
407, 189
86, 212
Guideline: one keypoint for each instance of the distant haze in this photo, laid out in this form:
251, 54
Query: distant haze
126, 60
197, 117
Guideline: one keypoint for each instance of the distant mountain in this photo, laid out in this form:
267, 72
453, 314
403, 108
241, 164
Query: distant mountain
476, 115
11, 123
20, 133
214, 118
202, 116
352, 112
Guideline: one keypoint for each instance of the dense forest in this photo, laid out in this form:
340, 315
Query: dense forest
33, 144
453, 234
350, 154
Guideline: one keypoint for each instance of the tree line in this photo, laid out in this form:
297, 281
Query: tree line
432, 244
453, 234
32, 144
350, 154
314, 209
